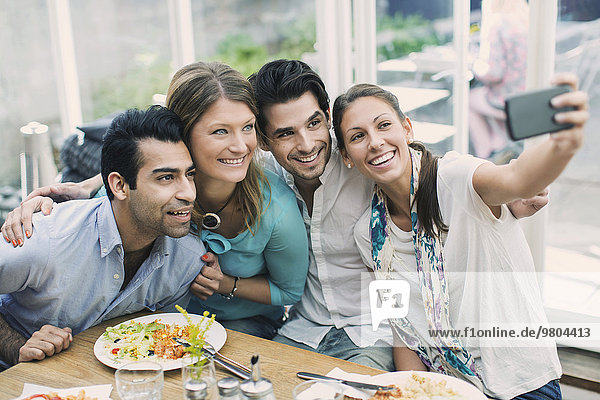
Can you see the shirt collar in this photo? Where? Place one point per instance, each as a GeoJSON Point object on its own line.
{"type": "Point", "coordinates": [332, 164]}
{"type": "Point", "coordinates": [160, 246]}
{"type": "Point", "coordinates": [108, 233]}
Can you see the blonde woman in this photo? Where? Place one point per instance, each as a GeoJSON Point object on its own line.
{"type": "Point", "coordinates": [267, 264]}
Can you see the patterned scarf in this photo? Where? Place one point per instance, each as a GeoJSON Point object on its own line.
{"type": "Point", "coordinates": [448, 356]}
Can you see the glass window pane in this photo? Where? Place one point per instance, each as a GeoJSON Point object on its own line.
{"type": "Point", "coordinates": [27, 88]}
{"type": "Point", "coordinates": [123, 53]}
{"type": "Point", "coordinates": [573, 234]}
{"type": "Point", "coordinates": [499, 68]}
{"type": "Point", "coordinates": [253, 32]}
{"type": "Point", "coordinates": [416, 61]}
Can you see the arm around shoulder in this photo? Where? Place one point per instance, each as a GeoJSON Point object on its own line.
{"type": "Point", "coordinates": [18, 224]}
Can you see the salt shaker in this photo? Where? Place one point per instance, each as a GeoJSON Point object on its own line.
{"type": "Point", "coordinates": [195, 390]}
{"type": "Point", "coordinates": [257, 387]}
{"type": "Point", "coordinates": [229, 389]}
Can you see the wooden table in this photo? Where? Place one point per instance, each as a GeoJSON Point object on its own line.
{"type": "Point", "coordinates": [77, 366]}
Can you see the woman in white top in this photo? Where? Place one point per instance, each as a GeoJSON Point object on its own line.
{"type": "Point", "coordinates": [462, 252]}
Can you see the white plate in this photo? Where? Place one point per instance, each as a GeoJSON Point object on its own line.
{"type": "Point", "coordinates": [462, 388]}
{"type": "Point", "coordinates": [216, 336]}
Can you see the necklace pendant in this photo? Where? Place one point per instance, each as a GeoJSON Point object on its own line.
{"type": "Point", "coordinates": [211, 221]}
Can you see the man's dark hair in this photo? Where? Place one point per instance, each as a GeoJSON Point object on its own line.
{"type": "Point", "coordinates": [120, 145]}
{"type": "Point", "coordinates": [280, 81]}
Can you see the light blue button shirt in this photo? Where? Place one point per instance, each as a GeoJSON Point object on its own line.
{"type": "Point", "coordinates": [70, 272]}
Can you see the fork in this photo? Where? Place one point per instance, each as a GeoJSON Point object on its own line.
{"type": "Point", "coordinates": [211, 350]}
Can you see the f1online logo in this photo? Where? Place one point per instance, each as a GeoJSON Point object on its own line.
{"type": "Point", "coordinates": [388, 300]}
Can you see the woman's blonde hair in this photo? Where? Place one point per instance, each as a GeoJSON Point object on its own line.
{"type": "Point", "coordinates": [193, 90]}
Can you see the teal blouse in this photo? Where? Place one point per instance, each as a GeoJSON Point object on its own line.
{"type": "Point", "coordinates": [278, 249]}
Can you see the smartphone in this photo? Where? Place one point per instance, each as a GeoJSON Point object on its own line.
{"type": "Point", "coordinates": [530, 113]}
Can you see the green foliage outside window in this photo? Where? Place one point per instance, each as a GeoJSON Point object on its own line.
{"type": "Point", "coordinates": [403, 35]}
{"type": "Point", "coordinates": [134, 89]}
{"type": "Point", "coordinates": [244, 54]}
{"type": "Point", "coordinates": [400, 35]}
{"type": "Point", "coordinates": [150, 75]}
{"type": "Point", "coordinates": [298, 38]}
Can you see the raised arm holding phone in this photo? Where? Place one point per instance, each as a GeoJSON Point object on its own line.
{"type": "Point", "coordinates": [441, 224]}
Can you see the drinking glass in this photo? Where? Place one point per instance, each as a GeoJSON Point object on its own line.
{"type": "Point", "coordinates": [319, 390]}
{"type": "Point", "coordinates": [192, 375]}
{"type": "Point", "coordinates": [140, 380]}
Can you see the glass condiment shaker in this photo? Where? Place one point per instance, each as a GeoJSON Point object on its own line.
{"type": "Point", "coordinates": [195, 390]}
{"type": "Point", "coordinates": [257, 387]}
{"type": "Point", "coordinates": [229, 389]}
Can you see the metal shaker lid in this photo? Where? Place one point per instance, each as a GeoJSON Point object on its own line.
{"type": "Point", "coordinates": [228, 386]}
{"type": "Point", "coordinates": [195, 390]}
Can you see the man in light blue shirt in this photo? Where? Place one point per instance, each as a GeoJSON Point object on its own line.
{"type": "Point", "coordinates": [92, 260]}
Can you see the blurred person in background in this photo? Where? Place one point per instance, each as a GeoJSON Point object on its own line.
{"type": "Point", "coordinates": [502, 71]}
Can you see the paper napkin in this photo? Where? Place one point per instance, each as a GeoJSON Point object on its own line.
{"type": "Point", "coordinates": [102, 392]}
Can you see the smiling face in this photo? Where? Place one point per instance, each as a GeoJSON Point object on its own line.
{"type": "Point", "coordinates": [164, 196]}
{"type": "Point", "coordinates": [298, 136]}
{"type": "Point", "coordinates": [223, 141]}
{"type": "Point", "coordinates": [376, 140]}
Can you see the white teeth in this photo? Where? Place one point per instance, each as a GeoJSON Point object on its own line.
{"type": "Point", "coordinates": [236, 161]}
{"type": "Point", "coordinates": [309, 158]}
{"type": "Point", "coordinates": [180, 213]}
{"type": "Point", "coordinates": [383, 158]}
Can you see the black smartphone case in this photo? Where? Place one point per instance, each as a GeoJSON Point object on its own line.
{"type": "Point", "coordinates": [530, 113]}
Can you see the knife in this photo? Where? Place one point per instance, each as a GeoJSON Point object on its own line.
{"type": "Point", "coordinates": [359, 385]}
{"type": "Point", "coordinates": [234, 369]}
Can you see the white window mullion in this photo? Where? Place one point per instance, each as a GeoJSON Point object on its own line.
{"type": "Point", "coordinates": [460, 95]}
{"type": "Point", "coordinates": [541, 44]}
{"type": "Point", "coordinates": [182, 32]}
{"type": "Point", "coordinates": [540, 68]}
{"type": "Point", "coordinates": [344, 48]}
{"type": "Point", "coordinates": [65, 65]}
{"type": "Point", "coordinates": [365, 44]}
{"type": "Point", "coordinates": [334, 44]}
